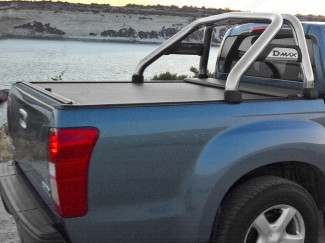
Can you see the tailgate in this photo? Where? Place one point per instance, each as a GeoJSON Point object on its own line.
{"type": "Point", "coordinates": [30, 114]}
{"type": "Point", "coordinates": [34, 222]}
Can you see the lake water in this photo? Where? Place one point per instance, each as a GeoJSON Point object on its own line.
{"type": "Point", "coordinates": [42, 60]}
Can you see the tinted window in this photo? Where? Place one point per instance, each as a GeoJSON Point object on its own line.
{"type": "Point", "coordinates": [236, 46]}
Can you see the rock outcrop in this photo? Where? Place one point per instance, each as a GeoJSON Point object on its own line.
{"type": "Point", "coordinates": [5, 150]}
{"type": "Point", "coordinates": [99, 22]}
{"type": "Point", "coordinates": [40, 28]}
{"type": "Point", "coordinates": [46, 19]}
{"type": "Point", "coordinates": [4, 94]}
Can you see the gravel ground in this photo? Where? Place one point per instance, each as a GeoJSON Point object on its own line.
{"type": "Point", "coordinates": [8, 229]}
{"type": "Point", "coordinates": [5, 150]}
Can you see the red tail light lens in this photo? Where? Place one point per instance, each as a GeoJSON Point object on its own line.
{"type": "Point", "coordinates": [256, 29]}
{"type": "Point", "coordinates": [69, 151]}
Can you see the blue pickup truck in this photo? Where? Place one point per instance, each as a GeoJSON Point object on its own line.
{"type": "Point", "coordinates": [237, 158]}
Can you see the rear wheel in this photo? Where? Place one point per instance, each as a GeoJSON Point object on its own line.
{"type": "Point", "coordinates": [267, 210]}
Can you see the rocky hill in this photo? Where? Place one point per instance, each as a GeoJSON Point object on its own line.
{"type": "Point", "coordinates": [45, 19]}
{"type": "Point", "coordinates": [98, 22]}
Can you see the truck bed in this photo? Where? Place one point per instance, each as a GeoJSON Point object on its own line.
{"type": "Point", "coordinates": [128, 93]}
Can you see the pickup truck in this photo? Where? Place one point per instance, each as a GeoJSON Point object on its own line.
{"type": "Point", "coordinates": [239, 157]}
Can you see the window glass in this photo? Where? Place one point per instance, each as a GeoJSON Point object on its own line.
{"type": "Point", "coordinates": [236, 46]}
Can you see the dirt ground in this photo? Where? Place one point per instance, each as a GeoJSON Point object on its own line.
{"type": "Point", "coordinates": [5, 150]}
{"type": "Point", "coordinates": [8, 229]}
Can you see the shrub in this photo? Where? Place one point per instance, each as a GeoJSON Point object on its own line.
{"type": "Point", "coordinates": [168, 76]}
{"type": "Point", "coordinates": [175, 76]}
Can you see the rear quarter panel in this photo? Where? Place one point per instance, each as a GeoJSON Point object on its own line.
{"type": "Point", "coordinates": [160, 172]}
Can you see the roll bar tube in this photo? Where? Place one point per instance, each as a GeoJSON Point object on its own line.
{"type": "Point", "coordinates": [232, 95]}
{"type": "Point", "coordinates": [203, 71]}
{"type": "Point", "coordinates": [215, 20]}
{"type": "Point", "coordinates": [308, 86]}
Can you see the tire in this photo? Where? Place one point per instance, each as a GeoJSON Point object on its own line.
{"type": "Point", "coordinates": [267, 209]}
{"type": "Point", "coordinates": [5, 206]}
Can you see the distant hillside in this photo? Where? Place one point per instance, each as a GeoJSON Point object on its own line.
{"type": "Point", "coordinates": [45, 19]}
{"type": "Point", "coordinates": [106, 8]}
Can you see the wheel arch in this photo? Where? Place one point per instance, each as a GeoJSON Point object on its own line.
{"type": "Point", "coordinates": [254, 199]}
{"type": "Point", "coordinates": [308, 172]}
{"type": "Point", "coordinates": [288, 148]}
{"type": "Point", "coordinates": [305, 174]}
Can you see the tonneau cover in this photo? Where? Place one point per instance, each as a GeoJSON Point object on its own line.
{"type": "Point", "coordinates": [128, 93]}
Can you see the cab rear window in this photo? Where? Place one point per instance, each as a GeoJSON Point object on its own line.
{"type": "Point", "coordinates": [235, 47]}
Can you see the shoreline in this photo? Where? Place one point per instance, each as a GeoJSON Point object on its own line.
{"type": "Point", "coordinates": [83, 39]}
{"type": "Point", "coordinates": [9, 37]}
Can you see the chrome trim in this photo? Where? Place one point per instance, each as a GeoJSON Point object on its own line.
{"type": "Point", "coordinates": [23, 118]}
{"type": "Point", "coordinates": [253, 52]}
{"type": "Point", "coordinates": [299, 35]}
{"type": "Point", "coordinates": [217, 20]}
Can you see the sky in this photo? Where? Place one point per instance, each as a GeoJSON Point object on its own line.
{"type": "Point", "coordinates": [316, 7]}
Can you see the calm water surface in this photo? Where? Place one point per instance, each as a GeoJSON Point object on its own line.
{"type": "Point", "coordinates": [42, 60]}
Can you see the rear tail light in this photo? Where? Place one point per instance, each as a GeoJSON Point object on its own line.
{"type": "Point", "coordinates": [69, 151]}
